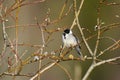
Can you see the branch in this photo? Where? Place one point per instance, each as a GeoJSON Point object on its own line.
{"type": "Point", "coordinates": [80, 28]}
{"type": "Point", "coordinates": [77, 14]}
{"type": "Point", "coordinates": [98, 64]}
{"type": "Point", "coordinates": [110, 47]}
{"type": "Point", "coordinates": [4, 33]}
{"type": "Point", "coordinates": [43, 70]}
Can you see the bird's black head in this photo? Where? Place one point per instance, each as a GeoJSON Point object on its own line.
{"type": "Point", "coordinates": [67, 31]}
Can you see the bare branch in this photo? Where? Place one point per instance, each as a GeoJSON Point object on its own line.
{"type": "Point", "coordinates": [43, 70]}
{"type": "Point", "coordinates": [80, 28]}
{"type": "Point", "coordinates": [94, 65]}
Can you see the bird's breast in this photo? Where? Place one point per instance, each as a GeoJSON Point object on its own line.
{"type": "Point", "coordinates": [70, 41]}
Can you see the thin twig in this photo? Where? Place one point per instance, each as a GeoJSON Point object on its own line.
{"type": "Point", "coordinates": [63, 8]}
{"type": "Point", "coordinates": [16, 31]}
{"type": "Point", "coordinates": [65, 70]}
{"type": "Point", "coordinates": [102, 52]}
{"type": "Point", "coordinates": [43, 70]}
{"type": "Point", "coordinates": [80, 28]}
{"type": "Point", "coordinates": [77, 14]}
{"type": "Point", "coordinates": [43, 45]}
{"type": "Point", "coordinates": [98, 38]}
{"type": "Point", "coordinates": [11, 74]}
{"type": "Point", "coordinates": [4, 33]}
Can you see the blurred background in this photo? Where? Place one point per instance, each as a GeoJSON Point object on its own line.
{"type": "Point", "coordinates": [30, 33]}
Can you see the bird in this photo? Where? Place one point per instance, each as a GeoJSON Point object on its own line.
{"type": "Point", "coordinates": [70, 40]}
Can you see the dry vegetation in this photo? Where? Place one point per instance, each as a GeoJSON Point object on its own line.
{"type": "Point", "coordinates": [16, 62]}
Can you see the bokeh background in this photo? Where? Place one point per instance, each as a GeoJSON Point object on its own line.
{"type": "Point", "coordinates": [32, 35]}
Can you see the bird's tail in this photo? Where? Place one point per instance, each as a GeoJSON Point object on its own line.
{"type": "Point", "coordinates": [79, 52]}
